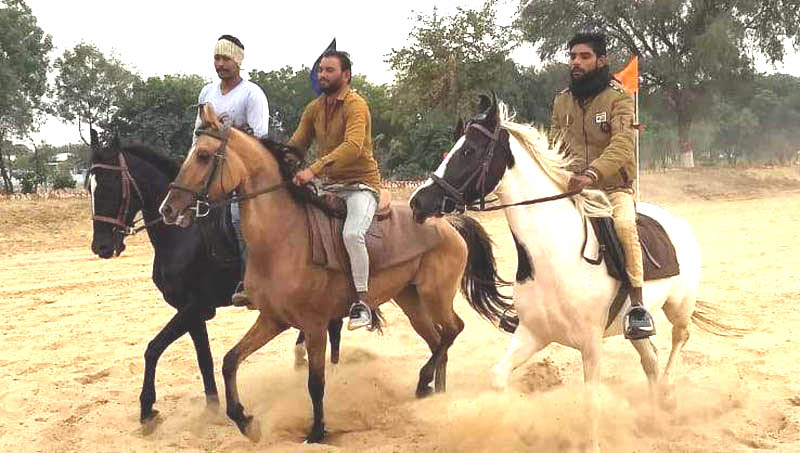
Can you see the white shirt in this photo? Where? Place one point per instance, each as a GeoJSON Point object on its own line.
{"type": "Point", "coordinates": [245, 107]}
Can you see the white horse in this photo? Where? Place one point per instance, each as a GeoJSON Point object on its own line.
{"type": "Point", "coordinates": [558, 296]}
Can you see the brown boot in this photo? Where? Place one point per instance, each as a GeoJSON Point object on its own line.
{"type": "Point", "coordinates": [638, 324]}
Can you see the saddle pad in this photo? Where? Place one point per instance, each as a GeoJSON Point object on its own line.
{"type": "Point", "coordinates": [391, 239]}
{"type": "Point", "coordinates": [658, 253]}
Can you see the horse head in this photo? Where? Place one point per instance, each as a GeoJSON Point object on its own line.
{"type": "Point", "coordinates": [114, 204]}
{"type": "Point", "coordinates": [208, 174]}
{"type": "Point", "coordinates": [473, 167]}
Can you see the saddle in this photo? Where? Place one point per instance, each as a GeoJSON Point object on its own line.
{"type": "Point", "coordinates": [218, 237]}
{"type": "Point", "coordinates": [393, 236]}
{"type": "Point", "coordinates": [658, 255]}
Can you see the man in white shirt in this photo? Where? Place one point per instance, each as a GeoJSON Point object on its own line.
{"type": "Point", "coordinates": [239, 103]}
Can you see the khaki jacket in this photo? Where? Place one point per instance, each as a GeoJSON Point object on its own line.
{"type": "Point", "coordinates": [343, 137]}
{"type": "Point", "coordinates": [599, 135]}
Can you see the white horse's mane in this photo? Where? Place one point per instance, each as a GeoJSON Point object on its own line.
{"type": "Point", "coordinates": [590, 203]}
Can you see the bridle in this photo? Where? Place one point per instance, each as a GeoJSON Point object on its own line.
{"type": "Point", "coordinates": [126, 181]}
{"type": "Point", "coordinates": [202, 204]}
{"type": "Point", "coordinates": [454, 201]}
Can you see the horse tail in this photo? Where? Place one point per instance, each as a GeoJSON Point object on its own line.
{"type": "Point", "coordinates": [480, 281]}
{"type": "Point", "coordinates": [703, 316]}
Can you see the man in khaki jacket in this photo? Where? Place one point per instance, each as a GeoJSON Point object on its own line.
{"type": "Point", "coordinates": [593, 118]}
{"type": "Point", "coordinates": [339, 123]}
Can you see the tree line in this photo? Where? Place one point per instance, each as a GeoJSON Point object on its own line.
{"type": "Point", "coordinates": [701, 98]}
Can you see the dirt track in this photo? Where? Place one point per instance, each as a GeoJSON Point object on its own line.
{"type": "Point", "coordinates": [75, 328]}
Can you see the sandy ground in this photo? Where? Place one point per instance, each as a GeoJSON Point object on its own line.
{"type": "Point", "coordinates": [74, 330]}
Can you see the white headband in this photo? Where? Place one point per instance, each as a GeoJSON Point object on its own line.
{"type": "Point", "coordinates": [229, 49]}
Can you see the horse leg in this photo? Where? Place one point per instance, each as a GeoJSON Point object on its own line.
{"type": "Point", "coordinates": [590, 353]}
{"type": "Point", "coordinates": [316, 345]}
{"type": "Point", "coordinates": [524, 344]}
{"type": "Point", "coordinates": [679, 315]}
{"type": "Point", "coordinates": [335, 334]}
{"type": "Point", "coordinates": [262, 331]}
{"type": "Point", "coordinates": [441, 306]}
{"type": "Point", "coordinates": [649, 359]}
{"type": "Point", "coordinates": [205, 361]}
{"type": "Point", "coordinates": [180, 323]}
{"type": "Point", "coordinates": [300, 351]}
{"type": "Point", "coordinates": [409, 301]}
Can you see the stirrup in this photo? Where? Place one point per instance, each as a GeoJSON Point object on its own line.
{"type": "Point", "coordinates": [360, 316]}
{"type": "Point", "coordinates": [638, 324]}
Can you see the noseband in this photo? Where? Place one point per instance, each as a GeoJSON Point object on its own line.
{"type": "Point", "coordinates": [455, 196]}
{"type": "Point", "coordinates": [126, 180]}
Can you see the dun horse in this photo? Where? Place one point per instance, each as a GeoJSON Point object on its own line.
{"type": "Point", "coordinates": [559, 296]}
{"type": "Point", "coordinates": [290, 291]}
{"type": "Point", "coordinates": [124, 181]}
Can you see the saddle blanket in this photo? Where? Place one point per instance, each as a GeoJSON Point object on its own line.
{"type": "Point", "coordinates": [392, 238]}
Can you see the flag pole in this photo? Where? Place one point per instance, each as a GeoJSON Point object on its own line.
{"type": "Point", "coordinates": [636, 141]}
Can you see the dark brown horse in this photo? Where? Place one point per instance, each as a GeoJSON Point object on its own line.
{"type": "Point", "coordinates": [290, 291]}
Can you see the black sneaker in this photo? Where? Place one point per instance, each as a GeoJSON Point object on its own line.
{"type": "Point", "coordinates": [360, 316]}
{"type": "Point", "coordinates": [638, 324]}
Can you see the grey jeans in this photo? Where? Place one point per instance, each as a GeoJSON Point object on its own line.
{"type": "Point", "coordinates": [361, 205]}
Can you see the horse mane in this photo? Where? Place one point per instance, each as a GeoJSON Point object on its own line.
{"type": "Point", "coordinates": [162, 162]}
{"type": "Point", "coordinates": [290, 160]}
{"type": "Point", "coordinates": [590, 203]}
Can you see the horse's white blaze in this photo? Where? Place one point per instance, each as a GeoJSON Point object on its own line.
{"type": "Point", "coordinates": [441, 169]}
{"type": "Point", "coordinates": [92, 189]}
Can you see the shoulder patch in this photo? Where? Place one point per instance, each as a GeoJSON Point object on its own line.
{"type": "Point", "coordinates": [616, 86]}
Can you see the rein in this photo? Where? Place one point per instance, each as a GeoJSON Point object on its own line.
{"type": "Point", "coordinates": [203, 205]}
{"type": "Point", "coordinates": [126, 180]}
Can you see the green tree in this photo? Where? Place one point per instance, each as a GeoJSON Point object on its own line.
{"type": "Point", "coordinates": [23, 74]}
{"type": "Point", "coordinates": [688, 46]}
{"type": "Point", "coordinates": [90, 88]}
{"type": "Point", "coordinates": [288, 91]}
{"type": "Point", "coordinates": [449, 60]}
{"type": "Point", "coordinates": [160, 113]}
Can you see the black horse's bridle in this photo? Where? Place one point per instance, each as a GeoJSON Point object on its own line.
{"type": "Point", "coordinates": [200, 198]}
{"type": "Point", "coordinates": [454, 200]}
{"type": "Point", "coordinates": [126, 180]}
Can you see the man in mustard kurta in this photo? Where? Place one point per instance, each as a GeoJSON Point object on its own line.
{"type": "Point", "coordinates": [339, 123]}
{"type": "Point", "coordinates": [594, 119]}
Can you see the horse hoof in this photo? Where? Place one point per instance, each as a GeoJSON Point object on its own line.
{"type": "Point", "coordinates": [212, 403]}
{"type": "Point", "coordinates": [151, 422]}
{"type": "Point", "coordinates": [424, 392]}
{"type": "Point", "coordinates": [252, 430]}
{"type": "Point", "coordinates": [316, 436]}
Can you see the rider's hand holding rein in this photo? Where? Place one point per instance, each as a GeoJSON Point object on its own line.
{"type": "Point", "coordinates": [579, 182]}
{"type": "Point", "coordinates": [303, 176]}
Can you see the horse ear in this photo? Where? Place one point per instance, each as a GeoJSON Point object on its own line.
{"type": "Point", "coordinates": [459, 131]}
{"type": "Point", "coordinates": [209, 116]}
{"type": "Point", "coordinates": [94, 142]}
{"type": "Point", "coordinates": [484, 104]}
{"type": "Point", "coordinates": [495, 108]}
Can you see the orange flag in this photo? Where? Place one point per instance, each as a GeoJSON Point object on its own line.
{"type": "Point", "coordinates": [629, 76]}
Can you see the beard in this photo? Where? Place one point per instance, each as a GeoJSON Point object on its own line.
{"type": "Point", "coordinates": [332, 86]}
{"type": "Point", "coordinates": [590, 83]}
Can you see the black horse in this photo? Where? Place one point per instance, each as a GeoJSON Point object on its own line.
{"type": "Point", "coordinates": [196, 269]}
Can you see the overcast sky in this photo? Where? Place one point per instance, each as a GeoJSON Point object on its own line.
{"type": "Point", "coordinates": [155, 38]}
